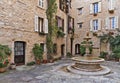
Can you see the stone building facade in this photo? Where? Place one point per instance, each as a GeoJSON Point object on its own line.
{"type": "Point", "coordinates": [24, 23]}
{"type": "Point", "coordinates": [18, 29]}
{"type": "Point", "coordinates": [96, 17]}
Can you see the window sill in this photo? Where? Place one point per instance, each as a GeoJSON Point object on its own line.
{"type": "Point", "coordinates": [79, 14]}
{"type": "Point", "coordinates": [42, 33]}
{"type": "Point", "coordinates": [41, 7]}
{"type": "Point", "coordinates": [95, 14]}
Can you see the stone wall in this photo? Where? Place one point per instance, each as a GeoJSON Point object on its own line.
{"type": "Point", "coordinates": [17, 19]}
{"type": "Point", "coordinates": [17, 23]}
{"type": "Point", "coordinates": [86, 17]}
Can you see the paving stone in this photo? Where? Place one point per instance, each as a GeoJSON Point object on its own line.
{"type": "Point", "coordinates": [51, 73]}
{"type": "Point", "coordinates": [27, 79]}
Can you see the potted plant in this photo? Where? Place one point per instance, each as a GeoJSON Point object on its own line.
{"type": "Point", "coordinates": [38, 53]}
{"type": "Point", "coordinates": [3, 65]}
{"type": "Point", "coordinates": [4, 54]}
{"type": "Point", "coordinates": [50, 58]}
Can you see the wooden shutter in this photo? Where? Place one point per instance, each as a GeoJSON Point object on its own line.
{"type": "Point", "coordinates": [63, 25]}
{"type": "Point", "coordinates": [99, 24]}
{"type": "Point", "coordinates": [91, 25]}
{"type": "Point", "coordinates": [46, 25]}
{"type": "Point", "coordinates": [107, 23]}
{"type": "Point", "coordinates": [73, 23]}
{"type": "Point", "coordinates": [91, 8]}
{"type": "Point", "coordinates": [111, 4]}
{"type": "Point", "coordinates": [116, 21]}
{"type": "Point", "coordinates": [99, 7]}
{"type": "Point", "coordinates": [36, 23]}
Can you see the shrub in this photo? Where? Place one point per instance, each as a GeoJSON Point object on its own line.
{"type": "Point", "coordinates": [38, 52]}
{"type": "Point", "coordinates": [69, 55]}
{"type": "Point", "coordinates": [31, 63]}
{"type": "Point", "coordinates": [116, 53]}
{"type": "Point", "coordinates": [82, 50]}
{"type": "Point", "coordinates": [103, 54]}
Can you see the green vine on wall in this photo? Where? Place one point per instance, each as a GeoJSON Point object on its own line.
{"type": "Point", "coordinates": [52, 29]}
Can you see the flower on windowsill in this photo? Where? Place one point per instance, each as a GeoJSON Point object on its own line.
{"type": "Point", "coordinates": [111, 33]}
{"type": "Point", "coordinates": [95, 34]}
{"type": "Point", "coordinates": [60, 33]}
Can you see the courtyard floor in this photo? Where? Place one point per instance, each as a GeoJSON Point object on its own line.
{"type": "Point", "coordinates": [51, 73]}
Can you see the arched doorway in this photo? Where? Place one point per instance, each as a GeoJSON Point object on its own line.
{"type": "Point", "coordinates": [77, 48]}
{"type": "Point", "coordinates": [19, 52]}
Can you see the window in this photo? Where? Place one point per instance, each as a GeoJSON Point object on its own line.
{"type": "Point", "coordinates": [61, 5]}
{"type": "Point", "coordinates": [80, 11]}
{"type": "Point", "coordinates": [80, 25]}
{"type": "Point", "coordinates": [112, 22]}
{"type": "Point", "coordinates": [111, 4]}
{"type": "Point", "coordinates": [95, 25]}
{"type": "Point", "coordinates": [60, 23]}
{"type": "Point", "coordinates": [42, 46]}
{"type": "Point", "coordinates": [41, 3]}
{"type": "Point", "coordinates": [70, 24]}
{"type": "Point", "coordinates": [95, 8]}
{"type": "Point", "coordinates": [41, 25]}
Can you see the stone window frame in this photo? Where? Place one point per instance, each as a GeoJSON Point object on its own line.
{"type": "Point", "coordinates": [80, 11]}
{"type": "Point", "coordinates": [80, 25]}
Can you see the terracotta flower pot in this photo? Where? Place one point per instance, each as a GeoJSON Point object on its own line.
{"type": "Point", "coordinates": [51, 61]}
{"type": "Point", "coordinates": [38, 62]}
{"type": "Point", "coordinates": [2, 69]}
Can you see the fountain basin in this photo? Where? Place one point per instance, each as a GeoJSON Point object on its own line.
{"type": "Point", "coordinates": [88, 66]}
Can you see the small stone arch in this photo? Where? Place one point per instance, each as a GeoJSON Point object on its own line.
{"type": "Point", "coordinates": [77, 48]}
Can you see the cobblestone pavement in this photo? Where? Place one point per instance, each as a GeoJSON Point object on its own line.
{"type": "Point", "coordinates": [50, 73]}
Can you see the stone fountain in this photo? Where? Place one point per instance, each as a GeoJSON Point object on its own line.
{"type": "Point", "coordinates": [88, 65]}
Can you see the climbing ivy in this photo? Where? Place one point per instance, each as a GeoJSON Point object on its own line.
{"type": "Point", "coordinates": [52, 29]}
